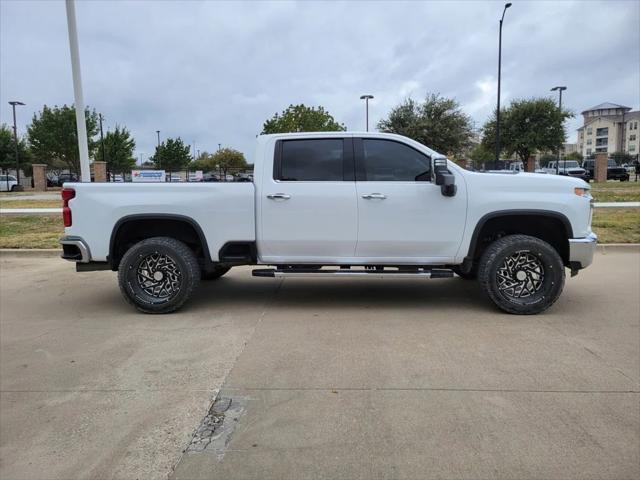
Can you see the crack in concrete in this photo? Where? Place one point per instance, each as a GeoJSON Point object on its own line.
{"type": "Point", "coordinates": [217, 427]}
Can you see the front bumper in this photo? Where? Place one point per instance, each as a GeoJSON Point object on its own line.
{"type": "Point", "coordinates": [581, 251]}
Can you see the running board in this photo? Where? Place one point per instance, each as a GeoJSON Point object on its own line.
{"type": "Point", "coordinates": [302, 273]}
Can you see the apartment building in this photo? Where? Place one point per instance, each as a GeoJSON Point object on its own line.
{"type": "Point", "coordinates": [609, 128]}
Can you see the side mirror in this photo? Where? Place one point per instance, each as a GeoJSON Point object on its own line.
{"type": "Point", "coordinates": [444, 178]}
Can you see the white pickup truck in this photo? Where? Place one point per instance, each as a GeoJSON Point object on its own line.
{"type": "Point", "coordinates": [570, 168]}
{"type": "Point", "coordinates": [336, 205]}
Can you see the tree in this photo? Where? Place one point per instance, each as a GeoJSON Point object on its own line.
{"type": "Point", "coordinates": [226, 159]}
{"type": "Point", "coordinates": [621, 158]}
{"type": "Point", "coordinates": [574, 156]}
{"type": "Point", "coordinates": [480, 155]}
{"type": "Point", "coordinates": [171, 155]}
{"type": "Point", "coordinates": [53, 136]}
{"type": "Point", "coordinates": [527, 126]}
{"type": "Point", "coordinates": [118, 150]}
{"type": "Point", "coordinates": [300, 118]}
{"type": "Point", "coordinates": [8, 151]}
{"type": "Point", "coordinates": [437, 122]}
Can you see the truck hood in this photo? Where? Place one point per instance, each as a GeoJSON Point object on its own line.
{"type": "Point", "coordinates": [526, 182]}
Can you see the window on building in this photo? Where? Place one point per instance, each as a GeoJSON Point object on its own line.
{"type": "Point", "coordinates": [589, 131]}
{"type": "Point", "coordinates": [602, 132]}
{"type": "Point", "coordinates": [632, 148]}
{"type": "Point", "coordinates": [632, 137]}
{"type": "Point", "coordinates": [589, 141]}
{"type": "Point", "coordinates": [588, 151]}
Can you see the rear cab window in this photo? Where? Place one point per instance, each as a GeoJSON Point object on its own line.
{"type": "Point", "coordinates": [313, 160]}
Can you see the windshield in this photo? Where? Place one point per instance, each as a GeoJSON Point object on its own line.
{"type": "Point", "coordinates": [569, 164]}
{"type": "Point", "coordinates": [612, 163]}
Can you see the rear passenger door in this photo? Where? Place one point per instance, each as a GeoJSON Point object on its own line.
{"type": "Point", "coordinates": [308, 205]}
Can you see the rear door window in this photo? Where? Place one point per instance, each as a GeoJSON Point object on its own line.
{"type": "Point", "coordinates": [310, 160]}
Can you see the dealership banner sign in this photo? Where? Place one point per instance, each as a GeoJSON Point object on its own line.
{"type": "Point", "coordinates": [148, 176]}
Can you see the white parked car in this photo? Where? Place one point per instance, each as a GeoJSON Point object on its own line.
{"type": "Point", "coordinates": [8, 183]}
{"type": "Point", "coordinates": [569, 168]}
{"type": "Point", "coordinates": [336, 205]}
{"type": "Point", "coordinates": [519, 167]}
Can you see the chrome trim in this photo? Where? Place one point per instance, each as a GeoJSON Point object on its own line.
{"type": "Point", "coordinates": [359, 274]}
{"type": "Point", "coordinates": [85, 255]}
{"type": "Point", "coordinates": [581, 250]}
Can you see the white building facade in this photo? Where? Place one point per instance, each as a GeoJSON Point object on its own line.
{"type": "Point", "coordinates": [609, 128]}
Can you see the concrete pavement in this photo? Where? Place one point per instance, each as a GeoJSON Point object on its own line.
{"type": "Point", "coordinates": [326, 379]}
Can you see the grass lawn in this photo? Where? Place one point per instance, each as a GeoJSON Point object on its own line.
{"type": "Point", "coordinates": [613, 225]}
{"type": "Point", "coordinates": [30, 203]}
{"type": "Point", "coordinates": [617, 225]}
{"type": "Point", "coordinates": [30, 231]}
{"type": "Point", "coordinates": [616, 191]}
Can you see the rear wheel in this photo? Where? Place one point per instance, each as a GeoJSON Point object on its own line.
{"type": "Point", "coordinates": [158, 275]}
{"type": "Point", "coordinates": [521, 274]}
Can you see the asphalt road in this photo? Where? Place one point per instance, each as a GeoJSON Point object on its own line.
{"type": "Point", "coordinates": [317, 379]}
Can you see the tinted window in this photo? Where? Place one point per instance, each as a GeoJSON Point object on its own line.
{"type": "Point", "coordinates": [311, 160]}
{"type": "Point", "coordinates": [389, 161]}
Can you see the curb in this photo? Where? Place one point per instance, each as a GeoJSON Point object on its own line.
{"type": "Point", "coordinates": [55, 252]}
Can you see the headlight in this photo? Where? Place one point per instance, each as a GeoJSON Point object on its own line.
{"type": "Point", "coordinates": [582, 191]}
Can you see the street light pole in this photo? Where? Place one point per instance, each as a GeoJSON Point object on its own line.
{"type": "Point", "coordinates": [81, 124]}
{"type": "Point", "coordinates": [15, 139]}
{"type": "Point", "coordinates": [560, 90]}
{"type": "Point", "coordinates": [158, 132]}
{"type": "Point", "coordinates": [499, 79]}
{"type": "Point", "coordinates": [366, 99]}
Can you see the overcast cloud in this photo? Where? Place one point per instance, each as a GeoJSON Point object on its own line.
{"type": "Point", "coordinates": [212, 72]}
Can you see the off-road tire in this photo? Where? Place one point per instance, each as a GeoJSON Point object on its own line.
{"type": "Point", "coordinates": [542, 290]}
{"type": "Point", "coordinates": [214, 273]}
{"type": "Point", "coordinates": [177, 262]}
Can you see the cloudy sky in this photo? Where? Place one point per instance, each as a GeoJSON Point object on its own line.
{"type": "Point", "coordinates": [212, 72]}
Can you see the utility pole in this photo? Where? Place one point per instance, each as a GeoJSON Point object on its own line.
{"type": "Point", "coordinates": [499, 80]}
{"type": "Point", "coordinates": [366, 99]}
{"type": "Point", "coordinates": [560, 90]}
{"type": "Point", "coordinates": [15, 140]}
{"type": "Point", "coordinates": [219, 146]}
{"type": "Point", "coordinates": [158, 132]}
{"type": "Point", "coordinates": [81, 124]}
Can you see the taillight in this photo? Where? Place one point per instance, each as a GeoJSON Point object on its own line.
{"type": "Point", "coordinates": [67, 194]}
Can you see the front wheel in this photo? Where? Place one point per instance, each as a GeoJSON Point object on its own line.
{"type": "Point", "coordinates": [158, 275]}
{"type": "Point", "coordinates": [521, 274]}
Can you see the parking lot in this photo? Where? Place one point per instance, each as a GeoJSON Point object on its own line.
{"type": "Point", "coordinates": [336, 379]}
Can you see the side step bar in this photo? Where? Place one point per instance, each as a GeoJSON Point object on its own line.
{"type": "Point", "coordinates": [302, 273]}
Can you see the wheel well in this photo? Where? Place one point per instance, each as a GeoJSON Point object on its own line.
{"type": "Point", "coordinates": [130, 231]}
{"type": "Point", "coordinates": [555, 230]}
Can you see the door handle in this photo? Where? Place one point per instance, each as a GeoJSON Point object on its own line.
{"type": "Point", "coordinates": [278, 196]}
{"type": "Point", "coordinates": [376, 196]}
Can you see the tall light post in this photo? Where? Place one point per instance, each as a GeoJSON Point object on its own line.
{"type": "Point", "coordinates": [499, 79]}
{"type": "Point", "coordinates": [366, 99]}
{"type": "Point", "coordinates": [81, 125]}
{"type": "Point", "coordinates": [15, 140]}
{"type": "Point", "coordinates": [560, 90]}
{"type": "Point", "coordinates": [158, 132]}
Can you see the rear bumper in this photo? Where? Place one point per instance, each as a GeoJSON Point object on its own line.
{"type": "Point", "coordinates": [581, 251]}
{"type": "Point", "coordinates": [75, 249]}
